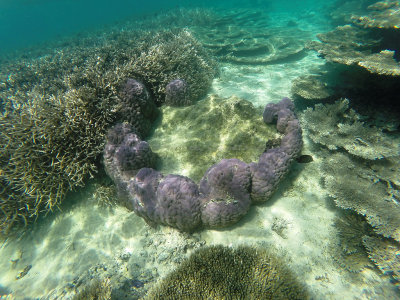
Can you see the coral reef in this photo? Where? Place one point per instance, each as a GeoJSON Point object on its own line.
{"type": "Point", "coordinates": [57, 108]}
{"type": "Point", "coordinates": [171, 200]}
{"type": "Point", "coordinates": [49, 146]}
{"type": "Point", "coordinates": [225, 191]}
{"type": "Point", "coordinates": [363, 182]}
{"type": "Point", "coordinates": [382, 14]}
{"type": "Point", "coordinates": [341, 11]}
{"type": "Point", "coordinates": [337, 126]}
{"type": "Point", "coordinates": [350, 45]}
{"type": "Point", "coordinates": [219, 272]}
{"type": "Point", "coordinates": [363, 191]}
{"type": "Point", "coordinates": [124, 154]}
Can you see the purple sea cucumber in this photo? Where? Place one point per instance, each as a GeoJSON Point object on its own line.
{"type": "Point", "coordinates": [176, 93]}
{"type": "Point", "coordinates": [226, 193]}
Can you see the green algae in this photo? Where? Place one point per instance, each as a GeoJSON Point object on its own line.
{"type": "Point", "coordinates": [190, 139]}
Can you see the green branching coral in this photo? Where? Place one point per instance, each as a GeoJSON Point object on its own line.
{"type": "Point", "coordinates": [194, 138]}
{"type": "Point", "coordinates": [57, 108]}
{"type": "Point", "coordinates": [219, 272]}
{"type": "Point", "coordinates": [337, 126]}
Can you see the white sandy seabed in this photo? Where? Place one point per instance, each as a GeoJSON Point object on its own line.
{"type": "Point", "coordinates": [297, 222]}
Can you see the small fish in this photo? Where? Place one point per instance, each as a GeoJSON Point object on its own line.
{"type": "Point", "coordinates": [304, 159]}
{"type": "Point", "coordinates": [24, 272]}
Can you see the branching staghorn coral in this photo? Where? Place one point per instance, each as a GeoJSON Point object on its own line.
{"type": "Point", "coordinates": [55, 118]}
{"type": "Point", "coordinates": [49, 146]}
{"type": "Point", "coordinates": [161, 62]}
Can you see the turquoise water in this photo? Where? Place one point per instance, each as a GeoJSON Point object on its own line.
{"type": "Point", "coordinates": [24, 23]}
{"type": "Point", "coordinates": [81, 215]}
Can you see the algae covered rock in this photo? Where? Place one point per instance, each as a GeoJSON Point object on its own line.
{"type": "Point", "coordinates": [219, 272]}
{"type": "Point", "coordinates": [191, 139]}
